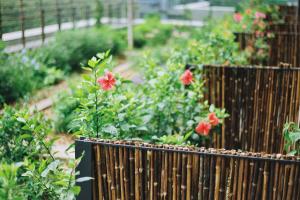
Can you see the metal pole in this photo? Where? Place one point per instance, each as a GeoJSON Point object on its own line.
{"type": "Point", "coordinates": [1, 29]}
{"type": "Point", "coordinates": [87, 15]}
{"type": "Point", "coordinates": [22, 18]}
{"type": "Point", "coordinates": [130, 24]}
{"type": "Point", "coordinates": [42, 20]}
{"type": "Point", "coordinates": [58, 15]}
{"type": "Point", "coordinates": [298, 12]}
{"type": "Point", "coordinates": [73, 13]}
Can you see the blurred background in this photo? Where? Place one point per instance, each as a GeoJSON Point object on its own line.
{"type": "Point", "coordinates": [29, 23]}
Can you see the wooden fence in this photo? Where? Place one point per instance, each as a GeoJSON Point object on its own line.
{"type": "Point", "coordinates": [260, 100]}
{"type": "Point", "coordinates": [284, 47]}
{"type": "Point", "coordinates": [128, 170]}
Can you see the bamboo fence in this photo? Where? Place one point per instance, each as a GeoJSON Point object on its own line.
{"type": "Point", "coordinates": [133, 170]}
{"type": "Point", "coordinates": [260, 100]}
{"type": "Point", "coordinates": [284, 46]}
{"type": "Point", "coordinates": [290, 14]}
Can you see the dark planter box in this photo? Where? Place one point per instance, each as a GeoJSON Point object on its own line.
{"type": "Point", "coordinates": [129, 170]}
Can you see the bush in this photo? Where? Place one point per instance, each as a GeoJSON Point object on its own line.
{"type": "Point", "coordinates": [65, 110]}
{"type": "Point", "coordinates": [20, 74]}
{"type": "Point", "coordinates": [71, 48]}
{"type": "Point", "coordinates": [151, 33]}
{"type": "Point", "coordinates": [22, 135]}
{"type": "Point", "coordinates": [28, 169]}
{"type": "Point", "coordinates": [111, 107]}
{"type": "Point", "coordinates": [16, 78]}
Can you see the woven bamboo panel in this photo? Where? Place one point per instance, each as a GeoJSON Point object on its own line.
{"type": "Point", "coordinates": [143, 171]}
{"type": "Point", "coordinates": [260, 100]}
{"type": "Point", "coordinates": [289, 13]}
{"type": "Point", "coordinates": [284, 47]}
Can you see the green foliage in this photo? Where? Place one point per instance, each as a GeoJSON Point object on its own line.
{"type": "Point", "coordinates": [169, 114]}
{"type": "Point", "coordinates": [254, 21]}
{"type": "Point", "coordinates": [16, 78]}
{"type": "Point", "coordinates": [22, 135]}
{"type": "Point", "coordinates": [51, 179]}
{"type": "Point", "coordinates": [21, 74]}
{"type": "Point", "coordinates": [9, 187]}
{"type": "Point", "coordinates": [291, 133]}
{"type": "Point", "coordinates": [71, 48]}
{"type": "Point", "coordinates": [28, 168]}
{"type": "Point", "coordinates": [65, 110]}
{"type": "Point", "coordinates": [105, 113]}
{"type": "Point", "coordinates": [147, 111]}
{"type": "Point", "coordinates": [151, 33]}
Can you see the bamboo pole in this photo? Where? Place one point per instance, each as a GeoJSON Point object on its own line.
{"type": "Point", "coordinates": [130, 24]}
{"type": "Point", "coordinates": [1, 25]}
{"type": "Point", "coordinates": [22, 20]}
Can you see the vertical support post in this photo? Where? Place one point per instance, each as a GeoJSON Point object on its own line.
{"type": "Point", "coordinates": [130, 24]}
{"type": "Point", "coordinates": [87, 15]}
{"type": "Point", "coordinates": [106, 10]}
{"type": "Point", "coordinates": [58, 14]}
{"type": "Point", "coordinates": [163, 8]}
{"type": "Point", "coordinates": [42, 11]}
{"type": "Point", "coordinates": [1, 28]}
{"type": "Point", "coordinates": [119, 11]}
{"type": "Point", "coordinates": [73, 13]}
{"type": "Point", "coordinates": [298, 12]}
{"type": "Point", "coordinates": [22, 20]}
{"type": "Point", "coordinates": [99, 11]}
{"type": "Point", "coordinates": [85, 168]}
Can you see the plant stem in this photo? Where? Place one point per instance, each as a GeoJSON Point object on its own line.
{"type": "Point", "coordinates": [96, 104]}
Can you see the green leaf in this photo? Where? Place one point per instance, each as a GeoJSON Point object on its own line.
{"type": "Point", "coordinates": [20, 119]}
{"type": "Point", "coordinates": [142, 128]}
{"type": "Point", "coordinates": [25, 136]}
{"type": "Point", "coordinates": [110, 129]}
{"type": "Point", "coordinates": [51, 167]}
{"type": "Point", "coordinates": [294, 136]}
{"type": "Point", "coordinates": [87, 69]}
{"type": "Point", "coordinates": [83, 179]}
{"type": "Point", "coordinates": [61, 183]}
{"type": "Point", "coordinates": [86, 77]}
{"type": "Point", "coordinates": [76, 190]}
{"type": "Point", "coordinates": [93, 62]}
{"type": "Point", "coordinates": [292, 153]}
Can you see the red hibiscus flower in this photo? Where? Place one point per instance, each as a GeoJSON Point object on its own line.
{"type": "Point", "coordinates": [203, 128]}
{"type": "Point", "coordinates": [237, 17]}
{"type": "Point", "coordinates": [187, 77]}
{"type": "Point", "coordinates": [259, 15]}
{"type": "Point", "coordinates": [213, 119]}
{"type": "Point", "coordinates": [107, 81]}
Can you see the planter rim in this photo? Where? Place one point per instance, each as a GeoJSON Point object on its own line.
{"type": "Point", "coordinates": [273, 32]}
{"type": "Point", "coordinates": [254, 67]}
{"type": "Point", "coordinates": [194, 150]}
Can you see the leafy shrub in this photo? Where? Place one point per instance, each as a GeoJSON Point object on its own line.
{"type": "Point", "coordinates": [9, 188]}
{"type": "Point", "coordinates": [28, 169]}
{"type": "Point", "coordinates": [210, 45]}
{"type": "Point", "coordinates": [15, 78]}
{"type": "Point", "coordinates": [151, 33]}
{"type": "Point", "coordinates": [20, 74]}
{"type": "Point", "coordinates": [22, 135]}
{"type": "Point", "coordinates": [65, 110]}
{"type": "Point", "coordinates": [111, 107]}
{"type": "Point", "coordinates": [71, 48]}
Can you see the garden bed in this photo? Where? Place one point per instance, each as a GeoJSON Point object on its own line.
{"type": "Point", "coordinates": [135, 170]}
